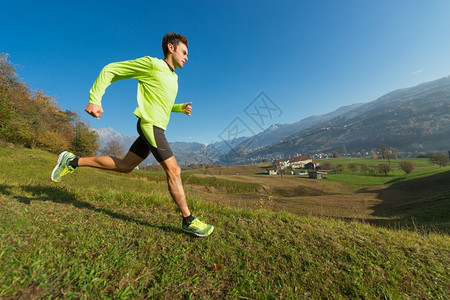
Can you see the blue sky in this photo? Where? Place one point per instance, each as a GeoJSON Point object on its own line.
{"type": "Point", "coordinates": [307, 57]}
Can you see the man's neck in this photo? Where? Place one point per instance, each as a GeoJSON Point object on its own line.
{"type": "Point", "coordinates": [169, 64]}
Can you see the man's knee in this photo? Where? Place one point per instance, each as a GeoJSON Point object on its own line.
{"type": "Point", "coordinates": [128, 163]}
{"type": "Point", "coordinates": [174, 171]}
{"type": "Point", "coordinates": [125, 168]}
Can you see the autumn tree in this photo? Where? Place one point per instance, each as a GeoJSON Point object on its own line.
{"type": "Point", "coordinates": [439, 158]}
{"type": "Point", "coordinates": [86, 140]}
{"type": "Point", "coordinates": [113, 148]}
{"type": "Point", "coordinates": [7, 78]}
{"type": "Point", "coordinates": [387, 152]}
{"type": "Point", "coordinates": [374, 154]}
{"type": "Point", "coordinates": [13, 95]}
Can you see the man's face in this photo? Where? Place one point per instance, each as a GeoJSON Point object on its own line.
{"type": "Point", "coordinates": [179, 56]}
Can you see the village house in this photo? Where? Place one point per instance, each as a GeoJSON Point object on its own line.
{"type": "Point", "coordinates": [272, 171]}
{"type": "Point", "coordinates": [298, 162]}
{"type": "Point", "coordinates": [281, 164]}
{"type": "Point", "coordinates": [312, 165]}
{"type": "Point", "coordinates": [317, 174]}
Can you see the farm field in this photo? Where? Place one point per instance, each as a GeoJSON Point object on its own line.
{"type": "Point", "coordinates": [100, 234]}
{"type": "Point", "coordinates": [398, 199]}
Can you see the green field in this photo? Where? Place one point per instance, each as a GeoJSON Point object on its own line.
{"type": "Point", "coordinates": [106, 235]}
{"type": "Point", "coordinates": [410, 201]}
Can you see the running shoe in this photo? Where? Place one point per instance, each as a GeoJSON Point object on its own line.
{"type": "Point", "coordinates": [62, 166]}
{"type": "Point", "coordinates": [198, 228]}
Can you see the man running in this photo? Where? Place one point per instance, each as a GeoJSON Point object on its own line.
{"type": "Point", "coordinates": [157, 90]}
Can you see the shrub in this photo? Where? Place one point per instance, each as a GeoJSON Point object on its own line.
{"type": "Point", "coordinates": [339, 169]}
{"type": "Point", "coordinates": [373, 171]}
{"type": "Point", "coordinates": [384, 168]}
{"type": "Point", "coordinates": [353, 167]}
{"type": "Point", "coordinates": [364, 168]}
{"type": "Point", "coordinates": [407, 166]}
{"type": "Point", "coordinates": [328, 165]}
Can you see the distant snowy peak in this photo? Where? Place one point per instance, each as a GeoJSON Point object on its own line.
{"type": "Point", "coordinates": [108, 134]}
{"type": "Point", "coordinates": [275, 126]}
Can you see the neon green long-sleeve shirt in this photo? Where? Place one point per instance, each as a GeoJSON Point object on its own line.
{"type": "Point", "coordinates": [157, 87]}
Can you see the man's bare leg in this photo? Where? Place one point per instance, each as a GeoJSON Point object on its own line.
{"type": "Point", "coordinates": [124, 165]}
{"type": "Point", "coordinates": [190, 224]}
{"type": "Point", "coordinates": [130, 161]}
{"type": "Point", "coordinates": [127, 164]}
{"type": "Point", "coordinates": [173, 172]}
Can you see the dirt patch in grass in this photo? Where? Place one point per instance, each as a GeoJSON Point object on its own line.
{"type": "Point", "coordinates": [302, 196]}
{"type": "Point", "coordinates": [299, 191]}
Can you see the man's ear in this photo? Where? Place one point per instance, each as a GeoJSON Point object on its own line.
{"type": "Point", "coordinates": [170, 47]}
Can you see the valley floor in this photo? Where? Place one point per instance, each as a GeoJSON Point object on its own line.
{"type": "Point", "coordinates": [390, 204]}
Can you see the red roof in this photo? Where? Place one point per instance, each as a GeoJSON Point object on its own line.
{"type": "Point", "coordinates": [299, 158]}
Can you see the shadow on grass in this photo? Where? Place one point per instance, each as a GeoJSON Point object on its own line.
{"type": "Point", "coordinates": [5, 190]}
{"type": "Point", "coordinates": [398, 179]}
{"type": "Point", "coordinates": [60, 195]}
{"type": "Point", "coordinates": [421, 203]}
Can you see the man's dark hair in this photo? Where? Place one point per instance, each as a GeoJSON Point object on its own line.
{"type": "Point", "coordinates": [173, 38]}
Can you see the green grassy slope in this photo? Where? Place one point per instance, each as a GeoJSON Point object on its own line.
{"type": "Point", "coordinates": [101, 234]}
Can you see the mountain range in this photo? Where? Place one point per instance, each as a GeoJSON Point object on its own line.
{"type": "Point", "coordinates": [410, 120]}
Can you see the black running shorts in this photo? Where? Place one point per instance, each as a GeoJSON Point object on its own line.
{"type": "Point", "coordinates": [151, 138]}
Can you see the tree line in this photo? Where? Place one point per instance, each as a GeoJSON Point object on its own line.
{"type": "Point", "coordinates": [34, 120]}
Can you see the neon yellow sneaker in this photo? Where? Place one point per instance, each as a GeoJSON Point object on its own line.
{"type": "Point", "coordinates": [62, 166]}
{"type": "Point", "coordinates": [198, 228]}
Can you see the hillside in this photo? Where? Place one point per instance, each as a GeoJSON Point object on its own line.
{"type": "Point", "coordinates": [277, 132]}
{"type": "Point", "coordinates": [33, 119]}
{"type": "Point", "coordinates": [411, 120]}
{"type": "Point", "coordinates": [101, 234]}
